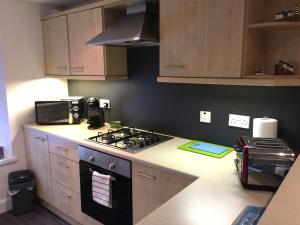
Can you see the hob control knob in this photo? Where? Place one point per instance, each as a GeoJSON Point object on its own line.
{"type": "Point", "coordinates": [76, 115]}
{"type": "Point", "coordinates": [75, 108]}
{"type": "Point", "coordinates": [91, 159]}
{"type": "Point", "coordinates": [112, 166]}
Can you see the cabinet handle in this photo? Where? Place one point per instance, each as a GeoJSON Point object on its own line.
{"type": "Point", "coordinates": [146, 176]}
{"type": "Point", "coordinates": [63, 194]}
{"type": "Point", "coordinates": [62, 148]}
{"type": "Point", "coordinates": [175, 66]}
{"type": "Point", "coordinates": [61, 67]}
{"type": "Point", "coordinates": [78, 69]}
{"type": "Point", "coordinates": [63, 165]}
{"type": "Point", "coordinates": [40, 139]}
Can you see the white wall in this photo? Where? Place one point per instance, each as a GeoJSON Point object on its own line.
{"type": "Point", "coordinates": [23, 71]}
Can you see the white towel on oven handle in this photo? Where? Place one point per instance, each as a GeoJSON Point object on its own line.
{"type": "Point", "coordinates": [101, 189]}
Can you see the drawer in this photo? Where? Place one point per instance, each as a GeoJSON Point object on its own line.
{"type": "Point", "coordinates": [67, 201]}
{"type": "Point", "coordinates": [64, 148]}
{"type": "Point", "coordinates": [65, 172]}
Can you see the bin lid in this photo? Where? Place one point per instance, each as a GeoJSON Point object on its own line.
{"type": "Point", "coordinates": [20, 177]}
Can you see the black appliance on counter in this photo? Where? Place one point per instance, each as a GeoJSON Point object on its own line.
{"type": "Point", "coordinates": [262, 163]}
{"type": "Point", "coordinates": [129, 139]}
{"type": "Point", "coordinates": [59, 111]}
{"type": "Point", "coordinates": [121, 187]}
{"type": "Point", "coordinates": [95, 114]}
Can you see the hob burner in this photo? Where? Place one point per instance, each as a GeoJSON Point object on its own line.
{"type": "Point", "coordinates": [129, 139]}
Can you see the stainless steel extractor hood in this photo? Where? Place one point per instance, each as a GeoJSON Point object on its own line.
{"type": "Point", "coordinates": [140, 27]}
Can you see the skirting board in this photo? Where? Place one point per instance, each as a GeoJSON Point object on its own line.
{"type": "Point", "coordinates": [5, 205]}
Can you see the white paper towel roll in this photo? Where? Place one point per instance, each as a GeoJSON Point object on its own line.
{"type": "Point", "coordinates": [265, 127]}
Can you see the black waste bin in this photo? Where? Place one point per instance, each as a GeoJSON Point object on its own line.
{"type": "Point", "coordinates": [22, 191]}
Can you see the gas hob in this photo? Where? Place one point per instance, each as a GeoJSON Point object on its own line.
{"type": "Point", "coordinates": [129, 139]}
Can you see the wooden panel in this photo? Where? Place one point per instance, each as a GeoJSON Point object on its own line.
{"type": "Point", "coordinates": [275, 26]}
{"type": "Point", "coordinates": [64, 148]}
{"type": "Point", "coordinates": [201, 38]}
{"type": "Point", "coordinates": [65, 172]}
{"type": "Point", "coordinates": [56, 46]}
{"type": "Point", "coordinates": [280, 81]}
{"type": "Point", "coordinates": [38, 161]}
{"type": "Point", "coordinates": [152, 187]}
{"type": "Point", "coordinates": [67, 201]}
{"type": "Point", "coordinates": [85, 59]}
{"type": "Point", "coordinates": [115, 62]}
{"type": "Point", "coordinates": [90, 77]}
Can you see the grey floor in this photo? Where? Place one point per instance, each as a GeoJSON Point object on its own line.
{"type": "Point", "coordinates": [38, 216]}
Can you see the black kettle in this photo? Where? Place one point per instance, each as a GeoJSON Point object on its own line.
{"type": "Point", "coordinates": [95, 114]}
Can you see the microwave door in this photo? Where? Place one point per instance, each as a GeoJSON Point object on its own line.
{"type": "Point", "coordinates": [53, 113]}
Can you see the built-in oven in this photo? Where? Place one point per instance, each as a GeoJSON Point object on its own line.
{"type": "Point", "coordinates": [120, 210]}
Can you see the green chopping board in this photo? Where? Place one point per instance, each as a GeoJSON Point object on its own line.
{"type": "Point", "coordinates": [205, 148]}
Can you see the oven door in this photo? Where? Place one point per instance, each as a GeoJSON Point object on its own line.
{"type": "Point", "coordinates": [53, 112]}
{"type": "Point", "coordinates": [121, 211]}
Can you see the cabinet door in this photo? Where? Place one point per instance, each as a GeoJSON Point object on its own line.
{"type": "Point", "coordinates": [56, 46]}
{"type": "Point", "coordinates": [152, 187]}
{"type": "Point", "coordinates": [85, 59]}
{"type": "Point", "coordinates": [201, 38]}
{"type": "Point", "coordinates": [38, 162]}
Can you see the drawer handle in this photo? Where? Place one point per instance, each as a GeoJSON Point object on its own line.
{"type": "Point", "coordinates": [78, 69]}
{"type": "Point", "coordinates": [175, 66]}
{"type": "Point", "coordinates": [146, 176]}
{"type": "Point", "coordinates": [63, 194]}
{"type": "Point", "coordinates": [40, 139]}
{"type": "Point", "coordinates": [61, 67]}
{"type": "Point", "coordinates": [62, 148]}
{"type": "Point", "coordinates": [63, 165]}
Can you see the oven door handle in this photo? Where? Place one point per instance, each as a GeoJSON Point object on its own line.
{"type": "Point", "coordinates": [111, 177]}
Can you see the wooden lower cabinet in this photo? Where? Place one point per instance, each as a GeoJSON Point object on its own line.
{"type": "Point", "coordinates": [67, 201]}
{"type": "Point", "coordinates": [37, 153]}
{"type": "Point", "coordinates": [58, 184]}
{"type": "Point", "coordinates": [152, 188]}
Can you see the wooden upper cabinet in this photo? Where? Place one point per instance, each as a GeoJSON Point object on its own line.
{"type": "Point", "coordinates": [56, 46]}
{"type": "Point", "coordinates": [201, 38]}
{"type": "Point", "coordinates": [85, 59]}
{"type": "Point", "coordinates": [66, 51]}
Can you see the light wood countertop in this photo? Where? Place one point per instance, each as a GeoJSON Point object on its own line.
{"type": "Point", "coordinates": [215, 198]}
{"type": "Point", "coordinates": [284, 208]}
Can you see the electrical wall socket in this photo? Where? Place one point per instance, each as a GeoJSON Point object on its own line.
{"type": "Point", "coordinates": [239, 121]}
{"type": "Point", "coordinates": [104, 103]}
{"type": "Point", "coordinates": [205, 117]}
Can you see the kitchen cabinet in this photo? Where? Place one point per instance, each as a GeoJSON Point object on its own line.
{"type": "Point", "coordinates": [201, 38]}
{"type": "Point", "coordinates": [56, 46]}
{"type": "Point", "coordinates": [268, 41]}
{"type": "Point", "coordinates": [85, 59]}
{"type": "Point", "coordinates": [225, 42]}
{"type": "Point", "coordinates": [152, 187]}
{"type": "Point", "coordinates": [68, 56]}
{"type": "Point", "coordinates": [38, 161]}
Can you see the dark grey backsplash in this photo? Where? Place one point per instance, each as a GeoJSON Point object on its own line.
{"type": "Point", "coordinates": [174, 108]}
